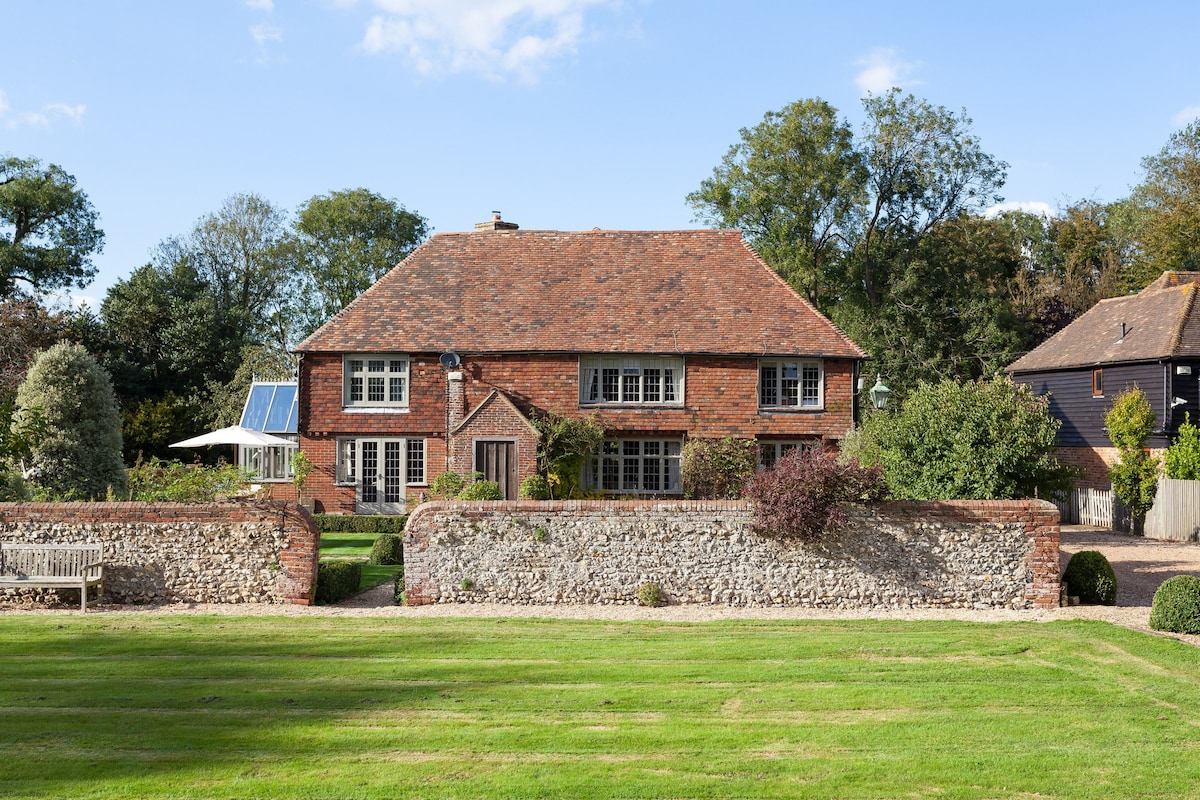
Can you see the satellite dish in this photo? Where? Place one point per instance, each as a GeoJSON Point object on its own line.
{"type": "Point", "coordinates": [449, 360]}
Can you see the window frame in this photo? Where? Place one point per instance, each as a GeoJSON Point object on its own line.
{"type": "Point", "coordinates": [1098, 382]}
{"type": "Point", "coordinates": [606, 380]}
{"type": "Point", "coordinates": [779, 447]}
{"type": "Point", "coordinates": [387, 375]}
{"type": "Point", "coordinates": [614, 454]}
{"type": "Point", "coordinates": [346, 450]}
{"type": "Point", "coordinates": [779, 390]}
{"type": "Point", "coordinates": [270, 457]}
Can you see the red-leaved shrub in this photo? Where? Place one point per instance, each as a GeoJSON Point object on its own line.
{"type": "Point", "coordinates": [805, 493]}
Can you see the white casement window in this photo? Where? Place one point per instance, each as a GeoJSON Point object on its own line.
{"type": "Point", "coordinates": [349, 457]}
{"type": "Point", "coordinates": [635, 466]}
{"type": "Point", "coordinates": [636, 380]}
{"type": "Point", "coordinates": [375, 381]}
{"type": "Point", "coordinates": [786, 383]}
{"type": "Point", "coordinates": [770, 452]}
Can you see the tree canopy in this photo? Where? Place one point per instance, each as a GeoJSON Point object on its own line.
{"type": "Point", "coordinates": [48, 228]}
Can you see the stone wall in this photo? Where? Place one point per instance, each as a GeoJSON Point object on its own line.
{"type": "Point", "coordinates": [959, 554]}
{"type": "Point", "coordinates": [262, 552]}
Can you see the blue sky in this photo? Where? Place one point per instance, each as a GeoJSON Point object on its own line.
{"type": "Point", "coordinates": [563, 114]}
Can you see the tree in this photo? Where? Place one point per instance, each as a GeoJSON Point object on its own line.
{"type": "Point", "coordinates": [847, 221]}
{"type": "Point", "coordinates": [345, 241]}
{"type": "Point", "coordinates": [1169, 196]}
{"type": "Point", "coordinates": [25, 328]}
{"type": "Point", "coordinates": [79, 455]}
{"type": "Point", "coordinates": [48, 228]}
{"type": "Point", "coordinates": [985, 439]}
{"type": "Point", "coordinates": [563, 445]}
{"type": "Point", "coordinates": [1182, 459]}
{"type": "Point", "coordinates": [948, 310]}
{"type": "Point", "coordinates": [239, 252]}
{"type": "Point", "coordinates": [1130, 421]}
{"type": "Point", "coordinates": [795, 185]}
{"type": "Point", "coordinates": [924, 166]}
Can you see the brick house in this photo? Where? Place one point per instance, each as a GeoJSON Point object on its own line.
{"type": "Point", "coordinates": [660, 334]}
{"type": "Point", "coordinates": [1150, 340]}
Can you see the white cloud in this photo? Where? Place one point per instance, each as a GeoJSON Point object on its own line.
{"type": "Point", "coordinates": [1186, 116]}
{"type": "Point", "coordinates": [45, 117]}
{"type": "Point", "coordinates": [265, 35]}
{"type": "Point", "coordinates": [882, 69]}
{"type": "Point", "coordinates": [261, 5]}
{"type": "Point", "coordinates": [1028, 206]}
{"type": "Point", "coordinates": [493, 38]}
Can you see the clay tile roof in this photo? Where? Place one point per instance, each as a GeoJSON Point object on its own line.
{"type": "Point", "coordinates": [694, 292]}
{"type": "Point", "coordinates": [1159, 324]}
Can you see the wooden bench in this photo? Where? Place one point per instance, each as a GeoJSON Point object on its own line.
{"type": "Point", "coordinates": [54, 566]}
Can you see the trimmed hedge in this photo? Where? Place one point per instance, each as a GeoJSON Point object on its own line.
{"type": "Point", "coordinates": [337, 580]}
{"type": "Point", "coordinates": [360, 523]}
{"type": "Point", "coordinates": [388, 549]}
{"type": "Point", "coordinates": [1090, 577]}
{"type": "Point", "coordinates": [1176, 605]}
{"type": "Point", "coordinates": [398, 589]}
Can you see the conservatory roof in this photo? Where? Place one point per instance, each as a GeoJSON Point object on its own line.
{"type": "Point", "coordinates": [271, 408]}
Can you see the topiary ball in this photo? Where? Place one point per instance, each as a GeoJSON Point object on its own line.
{"type": "Point", "coordinates": [1090, 577]}
{"type": "Point", "coordinates": [1176, 605]}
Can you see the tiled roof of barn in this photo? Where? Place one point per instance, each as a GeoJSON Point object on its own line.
{"type": "Point", "coordinates": [1160, 322]}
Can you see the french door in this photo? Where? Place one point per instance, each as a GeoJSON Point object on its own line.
{"type": "Point", "coordinates": [381, 476]}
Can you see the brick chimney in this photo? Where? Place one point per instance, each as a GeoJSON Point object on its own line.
{"type": "Point", "coordinates": [496, 224]}
{"type": "Point", "coordinates": [456, 412]}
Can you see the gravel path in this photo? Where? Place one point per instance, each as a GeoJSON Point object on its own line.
{"type": "Point", "coordinates": [1141, 565]}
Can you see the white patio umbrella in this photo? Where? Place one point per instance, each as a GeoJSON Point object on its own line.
{"type": "Point", "coordinates": [234, 434]}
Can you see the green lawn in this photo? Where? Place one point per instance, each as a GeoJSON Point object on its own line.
{"type": "Point", "coordinates": [134, 706]}
{"type": "Point", "coordinates": [357, 546]}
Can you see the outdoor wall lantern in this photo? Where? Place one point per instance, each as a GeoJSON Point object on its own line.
{"type": "Point", "coordinates": [879, 394]}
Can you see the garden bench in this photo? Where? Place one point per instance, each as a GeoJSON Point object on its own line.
{"type": "Point", "coordinates": [54, 566]}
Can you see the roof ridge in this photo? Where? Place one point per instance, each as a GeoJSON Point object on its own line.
{"type": "Point", "coordinates": [1182, 320]}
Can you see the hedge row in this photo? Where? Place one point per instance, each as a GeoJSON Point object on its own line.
{"type": "Point", "coordinates": [359, 523]}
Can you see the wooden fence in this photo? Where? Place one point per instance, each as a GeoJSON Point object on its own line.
{"type": "Point", "coordinates": [1175, 515]}
{"type": "Point", "coordinates": [1176, 512]}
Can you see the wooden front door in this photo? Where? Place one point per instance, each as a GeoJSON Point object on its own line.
{"type": "Point", "coordinates": [497, 460]}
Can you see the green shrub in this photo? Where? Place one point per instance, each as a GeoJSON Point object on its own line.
{"type": "Point", "coordinates": [481, 490]}
{"type": "Point", "coordinates": [1090, 577]}
{"type": "Point", "coordinates": [388, 549]}
{"type": "Point", "coordinates": [446, 486]}
{"type": "Point", "coordinates": [1176, 605]}
{"type": "Point", "coordinates": [398, 589]}
{"type": "Point", "coordinates": [159, 481]}
{"type": "Point", "coordinates": [360, 523]}
{"type": "Point", "coordinates": [535, 487]}
{"type": "Point", "coordinates": [337, 580]}
{"type": "Point", "coordinates": [649, 594]}
{"type": "Point", "coordinates": [717, 469]}
{"type": "Point", "coordinates": [1182, 460]}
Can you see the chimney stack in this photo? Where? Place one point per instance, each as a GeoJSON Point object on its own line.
{"type": "Point", "coordinates": [496, 224]}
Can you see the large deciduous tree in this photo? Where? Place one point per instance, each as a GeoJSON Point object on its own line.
{"type": "Point", "coordinates": [344, 242]}
{"type": "Point", "coordinates": [795, 185]}
{"type": "Point", "coordinates": [48, 228]}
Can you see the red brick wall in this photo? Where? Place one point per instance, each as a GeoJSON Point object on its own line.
{"type": "Point", "coordinates": [497, 420]}
{"type": "Point", "coordinates": [1094, 463]}
{"type": "Point", "coordinates": [720, 399]}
